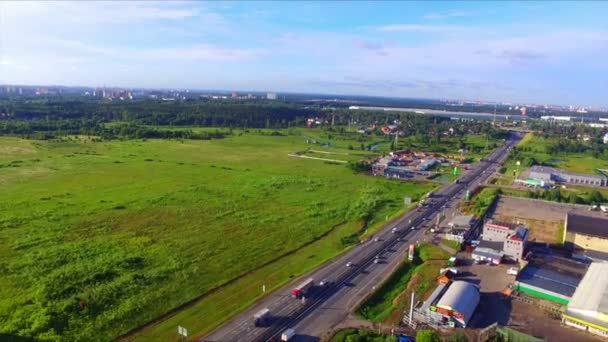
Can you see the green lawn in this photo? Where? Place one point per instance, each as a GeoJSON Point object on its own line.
{"type": "Point", "coordinates": [390, 300]}
{"type": "Point", "coordinates": [451, 243]}
{"type": "Point", "coordinates": [97, 238]}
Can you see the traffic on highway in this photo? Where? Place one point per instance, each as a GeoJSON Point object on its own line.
{"type": "Point", "coordinates": [334, 289]}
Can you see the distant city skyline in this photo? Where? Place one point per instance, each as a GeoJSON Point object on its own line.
{"type": "Point", "coordinates": [529, 52]}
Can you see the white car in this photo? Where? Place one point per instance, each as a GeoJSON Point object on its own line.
{"type": "Point", "coordinates": [394, 230]}
{"type": "Point", "coordinates": [349, 264]}
{"type": "Point", "coordinates": [413, 227]}
{"type": "Point", "coordinates": [512, 271]}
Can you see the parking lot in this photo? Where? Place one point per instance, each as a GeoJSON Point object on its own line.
{"type": "Point", "coordinates": [492, 280]}
{"type": "Point", "coordinates": [527, 316]}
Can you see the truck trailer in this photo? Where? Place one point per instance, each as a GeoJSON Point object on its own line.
{"type": "Point", "coordinates": [261, 317]}
{"type": "Point", "coordinates": [301, 290]}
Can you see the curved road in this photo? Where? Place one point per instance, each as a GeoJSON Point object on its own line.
{"type": "Point", "coordinates": [328, 306]}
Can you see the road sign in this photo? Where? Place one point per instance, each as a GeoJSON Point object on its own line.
{"type": "Point", "coordinates": [182, 331]}
{"type": "Point", "coordinates": [455, 170]}
{"type": "Point", "coordinates": [263, 288]}
{"type": "Point", "coordinates": [518, 163]}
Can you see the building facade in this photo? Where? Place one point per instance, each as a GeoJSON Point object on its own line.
{"type": "Point", "coordinates": [550, 174]}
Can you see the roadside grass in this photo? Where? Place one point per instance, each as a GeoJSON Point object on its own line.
{"type": "Point", "coordinates": [481, 202]}
{"type": "Point", "coordinates": [361, 335]}
{"type": "Point", "coordinates": [98, 238]}
{"type": "Point", "coordinates": [451, 243]}
{"type": "Point", "coordinates": [393, 296]}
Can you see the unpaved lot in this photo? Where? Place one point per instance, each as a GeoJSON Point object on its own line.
{"type": "Point", "coordinates": [542, 218]}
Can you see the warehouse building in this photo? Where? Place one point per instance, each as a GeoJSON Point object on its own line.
{"type": "Point", "coordinates": [586, 231]}
{"type": "Point", "coordinates": [551, 174]}
{"type": "Point", "coordinates": [551, 277]}
{"type": "Point", "coordinates": [451, 304]}
{"type": "Point", "coordinates": [588, 308]}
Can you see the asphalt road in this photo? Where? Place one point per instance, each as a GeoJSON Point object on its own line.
{"type": "Point", "coordinates": [327, 306]}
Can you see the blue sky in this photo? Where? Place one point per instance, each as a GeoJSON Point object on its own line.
{"type": "Point", "coordinates": [541, 52]}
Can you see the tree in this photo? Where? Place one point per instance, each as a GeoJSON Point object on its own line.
{"type": "Point", "coordinates": [427, 335]}
{"type": "Point", "coordinates": [596, 197]}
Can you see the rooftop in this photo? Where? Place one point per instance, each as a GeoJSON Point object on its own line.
{"type": "Point", "coordinates": [587, 225]}
{"type": "Point", "coordinates": [461, 297]}
{"type": "Point", "coordinates": [461, 220]}
{"type": "Point", "coordinates": [493, 245]}
{"type": "Point", "coordinates": [552, 273]}
{"type": "Point", "coordinates": [592, 292]}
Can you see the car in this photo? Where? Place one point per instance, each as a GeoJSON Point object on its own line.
{"type": "Point", "coordinates": [413, 228]}
{"type": "Point", "coordinates": [349, 264]}
{"type": "Point", "coordinates": [394, 230]}
{"type": "Point", "coordinates": [325, 282]}
{"type": "Point", "coordinates": [512, 271]}
{"type": "Point", "coordinates": [376, 239]}
{"type": "Point", "coordinates": [376, 261]}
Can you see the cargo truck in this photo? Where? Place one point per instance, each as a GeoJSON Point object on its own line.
{"type": "Point", "coordinates": [261, 317]}
{"type": "Point", "coordinates": [302, 289]}
{"type": "Point", "coordinates": [288, 334]}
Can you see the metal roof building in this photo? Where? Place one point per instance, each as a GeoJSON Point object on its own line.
{"type": "Point", "coordinates": [460, 300]}
{"type": "Point", "coordinates": [588, 308]}
{"type": "Point", "coordinates": [554, 279]}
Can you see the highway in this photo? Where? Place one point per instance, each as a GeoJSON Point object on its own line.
{"type": "Point", "coordinates": [329, 305]}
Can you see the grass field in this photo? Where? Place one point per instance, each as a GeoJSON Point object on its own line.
{"type": "Point", "coordinates": [97, 238]}
{"type": "Point", "coordinates": [534, 147]}
{"type": "Point", "coordinates": [390, 300]}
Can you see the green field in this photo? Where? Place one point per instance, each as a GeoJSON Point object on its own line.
{"type": "Point", "coordinates": [98, 238]}
{"type": "Point", "coordinates": [533, 147]}
{"type": "Point", "coordinates": [392, 298]}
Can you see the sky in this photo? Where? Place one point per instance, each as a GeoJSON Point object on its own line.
{"type": "Point", "coordinates": [525, 52]}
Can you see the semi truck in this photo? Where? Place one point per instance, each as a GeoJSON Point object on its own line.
{"type": "Point", "coordinates": [261, 317]}
{"type": "Point", "coordinates": [302, 289]}
{"type": "Point", "coordinates": [288, 334]}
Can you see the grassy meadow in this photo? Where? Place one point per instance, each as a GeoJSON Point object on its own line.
{"type": "Point", "coordinates": [98, 238]}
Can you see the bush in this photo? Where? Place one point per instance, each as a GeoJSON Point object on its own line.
{"type": "Point", "coordinates": [427, 335]}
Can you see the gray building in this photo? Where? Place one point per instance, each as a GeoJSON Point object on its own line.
{"type": "Point", "coordinates": [551, 174]}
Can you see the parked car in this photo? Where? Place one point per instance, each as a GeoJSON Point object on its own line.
{"type": "Point", "coordinates": [349, 264]}
{"type": "Point", "coordinates": [512, 271]}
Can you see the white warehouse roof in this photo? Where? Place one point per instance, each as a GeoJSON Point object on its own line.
{"type": "Point", "coordinates": [591, 295]}
{"type": "Point", "coordinates": [461, 297]}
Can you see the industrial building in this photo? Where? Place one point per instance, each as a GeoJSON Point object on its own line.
{"type": "Point", "coordinates": [588, 307]}
{"type": "Point", "coordinates": [450, 304]}
{"type": "Point", "coordinates": [551, 174]}
{"type": "Point", "coordinates": [550, 277]}
{"type": "Point", "coordinates": [588, 231]}
{"type": "Point", "coordinates": [506, 238]}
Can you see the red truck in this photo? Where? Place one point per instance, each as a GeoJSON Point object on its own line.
{"type": "Point", "coordinates": [301, 290]}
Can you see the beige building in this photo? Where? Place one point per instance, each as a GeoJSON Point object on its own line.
{"type": "Point", "coordinates": [588, 232]}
